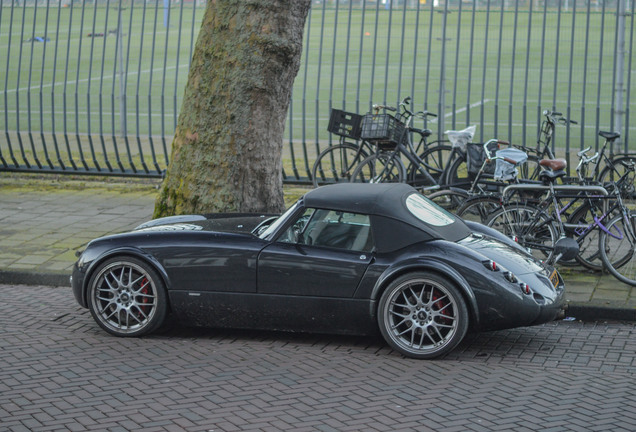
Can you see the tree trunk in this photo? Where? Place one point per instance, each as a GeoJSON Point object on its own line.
{"type": "Point", "coordinates": [226, 152]}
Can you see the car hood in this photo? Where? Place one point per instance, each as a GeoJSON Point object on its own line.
{"type": "Point", "coordinates": [505, 255]}
{"type": "Point", "coordinates": [228, 222]}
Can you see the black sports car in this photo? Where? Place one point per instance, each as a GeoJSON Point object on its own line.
{"type": "Point", "coordinates": [347, 258]}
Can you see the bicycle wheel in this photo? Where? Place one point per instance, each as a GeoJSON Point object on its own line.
{"type": "Point", "coordinates": [479, 208]}
{"type": "Point", "coordinates": [335, 164]}
{"type": "Point", "coordinates": [529, 226]}
{"type": "Point", "coordinates": [580, 225]}
{"type": "Point", "coordinates": [617, 244]}
{"type": "Point", "coordinates": [381, 167]}
{"type": "Point", "coordinates": [615, 170]}
{"type": "Point", "coordinates": [530, 169]}
{"type": "Point", "coordinates": [457, 175]}
{"type": "Point", "coordinates": [434, 160]}
{"type": "Point", "coordinates": [448, 199]}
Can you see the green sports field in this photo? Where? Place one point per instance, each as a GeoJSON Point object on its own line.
{"type": "Point", "coordinates": [101, 72]}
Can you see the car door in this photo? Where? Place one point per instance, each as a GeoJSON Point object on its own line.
{"type": "Point", "coordinates": [324, 254]}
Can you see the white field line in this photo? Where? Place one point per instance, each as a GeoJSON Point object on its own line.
{"type": "Point", "coordinates": [475, 105]}
{"type": "Point", "coordinates": [58, 83]}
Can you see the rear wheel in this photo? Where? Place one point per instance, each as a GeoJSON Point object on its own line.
{"type": "Point", "coordinates": [384, 167]}
{"type": "Point", "coordinates": [434, 160]}
{"type": "Point", "coordinates": [479, 208]}
{"type": "Point", "coordinates": [422, 315]}
{"type": "Point", "coordinates": [335, 164]}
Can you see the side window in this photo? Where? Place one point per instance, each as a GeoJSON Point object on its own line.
{"type": "Point", "coordinates": [339, 230]}
{"type": "Point", "coordinates": [293, 233]}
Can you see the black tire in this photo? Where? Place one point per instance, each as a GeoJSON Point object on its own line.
{"type": "Point", "coordinates": [529, 226]}
{"type": "Point", "coordinates": [434, 160]}
{"type": "Point", "coordinates": [530, 169]}
{"type": "Point", "coordinates": [335, 164]}
{"type": "Point", "coordinates": [589, 254]}
{"type": "Point", "coordinates": [422, 315]}
{"type": "Point", "coordinates": [615, 171]}
{"type": "Point", "coordinates": [127, 297]}
{"type": "Point", "coordinates": [457, 175]}
{"type": "Point", "coordinates": [479, 208]}
{"type": "Point", "coordinates": [617, 249]}
{"type": "Point", "coordinates": [448, 199]}
{"type": "Point", "coordinates": [383, 167]}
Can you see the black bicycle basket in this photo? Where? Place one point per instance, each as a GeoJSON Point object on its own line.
{"type": "Point", "coordinates": [382, 129]}
{"type": "Point", "coordinates": [345, 124]}
{"type": "Point", "coordinates": [475, 157]}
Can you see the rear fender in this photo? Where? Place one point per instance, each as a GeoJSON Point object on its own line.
{"type": "Point", "coordinates": [433, 266]}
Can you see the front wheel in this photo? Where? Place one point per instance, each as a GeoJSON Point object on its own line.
{"type": "Point", "coordinates": [529, 226]}
{"type": "Point", "coordinates": [422, 315]}
{"type": "Point", "coordinates": [127, 297]}
{"type": "Point", "coordinates": [617, 244]}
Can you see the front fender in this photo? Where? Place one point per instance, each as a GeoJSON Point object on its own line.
{"type": "Point", "coordinates": [431, 265]}
{"type": "Point", "coordinates": [87, 268]}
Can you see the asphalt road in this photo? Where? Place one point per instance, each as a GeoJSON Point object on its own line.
{"type": "Point", "coordinates": [59, 371]}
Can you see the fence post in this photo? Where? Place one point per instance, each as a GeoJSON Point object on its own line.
{"type": "Point", "coordinates": [122, 79]}
{"type": "Point", "coordinates": [620, 68]}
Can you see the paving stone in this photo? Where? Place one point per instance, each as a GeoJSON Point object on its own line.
{"type": "Point", "coordinates": [61, 372]}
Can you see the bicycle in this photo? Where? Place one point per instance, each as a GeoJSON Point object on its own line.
{"type": "Point", "coordinates": [507, 164]}
{"type": "Point", "coordinates": [550, 238]}
{"type": "Point", "coordinates": [459, 175]}
{"type": "Point", "coordinates": [336, 163]}
{"type": "Point", "coordinates": [479, 203]}
{"type": "Point", "coordinates": [426, 170]}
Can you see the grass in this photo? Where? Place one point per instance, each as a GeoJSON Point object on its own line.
{"type": "Point", "coordinates": [501, 69]}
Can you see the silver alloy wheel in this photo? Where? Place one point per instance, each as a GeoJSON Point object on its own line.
{"type": "Point", "coordinates": [422, 317]}
{"type": "Point", "coordinates": [124, 298]}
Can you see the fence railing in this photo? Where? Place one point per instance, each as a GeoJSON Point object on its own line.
{"type": "Point", "coordinates": [96, 87]}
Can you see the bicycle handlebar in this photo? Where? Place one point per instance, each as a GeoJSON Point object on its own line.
{"type": "Point", "coordinates": [378, 107]}
{"type": "Point", "coordinates": [557, 117]}
{"type": "Point", "coordinates": [492, 158]}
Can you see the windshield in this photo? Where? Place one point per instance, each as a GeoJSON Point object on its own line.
{"type": "Point", "coordinates": [427, 211]}
{"type": "Point", "coordinates": [278, 222]}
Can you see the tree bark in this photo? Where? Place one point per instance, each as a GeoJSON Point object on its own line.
{"type": "Point", "coordinates": [226, 152]}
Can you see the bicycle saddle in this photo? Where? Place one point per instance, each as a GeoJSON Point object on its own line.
{"type": "Point", "coordinates": [424, 132]}
{"type": "Point", "coordinates": [555, 169]}
{"type": "Point", "coordinates": [610, 136]}
{"type": "Point", "coordinates": [554, 164]}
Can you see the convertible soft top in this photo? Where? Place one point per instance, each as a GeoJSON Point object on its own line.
{"type": "Point", "coordinates": [386, 200]}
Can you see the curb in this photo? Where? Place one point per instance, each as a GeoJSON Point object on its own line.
{"type": "Point", "coordinates": [588, 312]}
{"type": "Point", "coordinates": [9, 277]}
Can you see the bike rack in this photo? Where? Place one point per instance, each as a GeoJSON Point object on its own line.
{"type": "Point", "coordinates": [533, 187]}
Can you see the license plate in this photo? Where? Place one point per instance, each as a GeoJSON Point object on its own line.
{"type": "Point", "coordinates": [554, 278]}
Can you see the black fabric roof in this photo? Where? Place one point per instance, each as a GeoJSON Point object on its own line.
{"type": "Point", "coordinates": [386, 200]}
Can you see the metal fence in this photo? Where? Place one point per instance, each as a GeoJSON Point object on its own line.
{"type": "Point", "coordinates": [95, 87]}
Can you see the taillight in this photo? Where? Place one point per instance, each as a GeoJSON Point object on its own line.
{"type": "Point", "coordinates": [525, 288]}
{"type": "Point", "coordinates": [490, 265]}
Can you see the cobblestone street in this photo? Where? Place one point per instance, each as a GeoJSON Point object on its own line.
{"type": "Point", "coordinates": [59, 371]}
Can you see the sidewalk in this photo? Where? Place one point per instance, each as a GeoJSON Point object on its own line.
{"type": "Point", "coordinates": [44, 222]}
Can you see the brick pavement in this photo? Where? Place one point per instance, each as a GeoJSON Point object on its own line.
{"type": "Point", "coordinates": [60, 371]}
